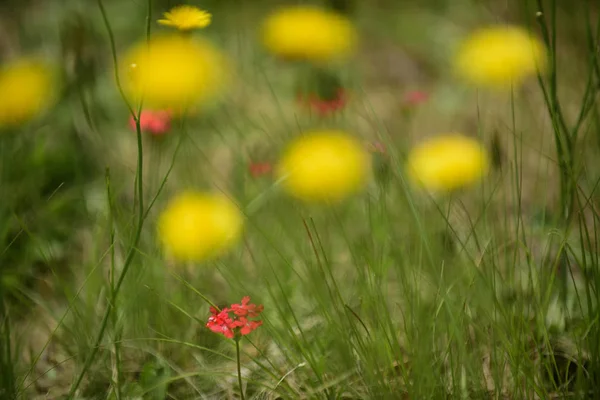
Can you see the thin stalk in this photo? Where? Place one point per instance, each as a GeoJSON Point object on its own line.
{"type": "Point", "coordinates": [140, 192]}
{"type": "Point", "coordinates": [239, 366]}
{"type": "Point", "coordinates": [117, 348]}
{"type": "Point", "coordinates": [564, 141]}
{"type": "Point", "coordinates": [8, 379]}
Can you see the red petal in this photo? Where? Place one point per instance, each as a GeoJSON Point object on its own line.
{"type": "Point", "coordinates": [246, 330]}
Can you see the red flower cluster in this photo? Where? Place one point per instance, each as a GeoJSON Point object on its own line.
{"type": "Point", "coordinates": [154, 122]}
{"type": "Point", "coordinates": [221, 321]}
{"type": "Point", "coordinates": [325, 107]}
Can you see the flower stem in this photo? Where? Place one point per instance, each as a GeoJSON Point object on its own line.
{"type": "Point", "coordinates": [132, 251]}
{"type": "Point", "coordinates": [239, 366]}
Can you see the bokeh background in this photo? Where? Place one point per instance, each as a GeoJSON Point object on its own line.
{"type": "Point", "coordinates": [487, 292]}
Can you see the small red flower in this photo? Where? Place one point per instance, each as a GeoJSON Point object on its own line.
{"type": "Point", "coordinates": [259, 169]}
{"type": "Point", "coordinates": [324, 107]}
{"type": "Point", "coordinates": [416, 97]}
{"type": "Point", "coordinates": [154, 122]}
{"type": "Point", "coordinates": [220, 322]}
{"type": "Point", "coordinates": [246, 325]}
{"type": "Point", "coordinates": [376, 147]}
{"type": "Point", "coordinates": [238, 324]}
{"type": "Point", "coordinates": [246, 309]}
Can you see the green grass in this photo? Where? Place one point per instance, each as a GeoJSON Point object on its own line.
{"type": "Point", "coordinates": [491, 292]}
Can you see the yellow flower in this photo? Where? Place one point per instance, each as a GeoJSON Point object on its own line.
{"type": "Point", "coordinates": [308, 33]}
{"type": "Point", "coordinates": [447, 162]}
{"type": "Point", "coordinates": [27, 86]}
{"type": "Point", "coordinates": [197, 226]}
{"type": "Point", "coordinates": [324, 166]}
{"type": "Point", "coordinates": [173, 72]}
{"type": "Point", "coordinates": [186, 18]}
{"type": "Point", "coordinates": [499, 56]}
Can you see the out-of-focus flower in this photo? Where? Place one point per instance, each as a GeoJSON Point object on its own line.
{"type": "Point", "coordinates": [324, 166]}
{"type": "Point", "coordinates": [186, 18]}
{"type": "Point", "coordinates": [447, 162]}
{"type": "Point", "coordinates": [500, 56]}
{"type": "Point", "coordinates": [259, 169]}
{"type": "Point", "coordinates": [196, 226]}
{"type": "Point", "coordinates": [240, 324]}
{"type": "Point", "coordinates": [376, 147]}
{"type": "Point", "coordinates": [324, 107]}
{"type": "Point", "coordinates": [308, 33]}
{"type": "Point", "coordinates": [154, 122]}
{"type": "Point", "coordinates": [415, 98]}
{"type": "Point", "coordinates": [173, 72]}
{"type": "Point", "coordinates": [27, 87]}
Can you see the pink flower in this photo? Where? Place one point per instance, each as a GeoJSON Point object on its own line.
{"type": "Point", "coordinates": [221, 321]}
{"type": "Point", "coordinates": [154, 122]}
{"type": "Point", "coordinates": [416, 97]}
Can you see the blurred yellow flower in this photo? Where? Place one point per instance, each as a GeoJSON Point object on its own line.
{"type": "Point", "coordinates": [27, 86]}
{"type": "Point", "coordinates": [186, 18]}
{"type": "Point", "coordinates": [500, 56]}
{"type": "Point", "coordinates": [173, 71]}
{"type": "Point", "coordinates": [197, 226]}
{"type": "Point", "coordinates": [447, 162]}
{"type": "Point", "coordinates": [308, 33]}
{"type": "Point", "coordinates": [324, 166]}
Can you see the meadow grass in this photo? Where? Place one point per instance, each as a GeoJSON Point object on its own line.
{"type": "Point", "coordinates": [487, 292]}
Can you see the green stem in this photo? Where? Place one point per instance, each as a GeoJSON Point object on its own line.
{"type": "Point", "coordinates": [239, 366]}
{"type": "Point", "coordinates": [117, 346]}
{"type": "Point", "coordinates": [7, 380]}
{"type": "Point", "coordinates": [564, 142]}
{"type": "Point", "coordinates": [138, 232]}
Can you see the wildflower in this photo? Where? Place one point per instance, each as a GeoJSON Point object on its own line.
{"type": "Point", "coordinates": [174, 72]}
{"type": "Point", "coordinates": [447, 162]}
{"type": "Point", "coordinates": [186, 18]}
{"type": "Point", "coordinates": [376, 147]}
{"type": "Point", "coordinates": [500, 56]}
{"type": "Point", "coordinates": [259, 169]}
{"type": "Point", "coordinates": [246, 309]}
{"type": "Point", "coordinates": [220, 322]}
{"type": "Point", "coordinates": [415, 98]}
{"type": "Point", "coordinates": [240, 324]}
{"type": "Point", "coordinates": [324, 107]}
{"type": "Point", "coordinates": [308, 33]}
{"type": "Point", "coordinates": [27, 86]}
{"type": "Point", "coordinates": [324, 166]}
{"type": "Point", "coordinates": [196, 226]}
{"type": "Point", "coordinates": [154, 122]}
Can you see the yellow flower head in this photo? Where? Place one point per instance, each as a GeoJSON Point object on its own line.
{"type": "Point", "coordinates": [26, 87]}
{"type": "Point", "coordinates": [186, 18]}
{"type": "Point", "coordinates": [500, 56]}
{"type": "Point", "coordinates": [324, 166]}
{"type": "Point", "coordinates": [308, 33]}
{"type": "Point", "coordinates": [197, 226]}
{"type": "Point", "coordinates": [447, 162]}
{"type": "Point", "coordinates": [173, 72]}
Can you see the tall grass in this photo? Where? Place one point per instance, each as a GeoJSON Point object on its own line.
{"type": "Point", "coordinates": [393, 294]}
